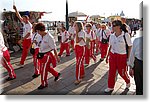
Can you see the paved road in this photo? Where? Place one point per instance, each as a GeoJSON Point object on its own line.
{"type": "Point", "coordinates": [95, 80]}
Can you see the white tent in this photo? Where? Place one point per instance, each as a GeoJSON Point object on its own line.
{"type": "Point", "coordinates": [77, 14]}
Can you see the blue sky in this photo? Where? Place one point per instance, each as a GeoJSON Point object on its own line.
{"type": "Point", "coordinates": [90, 7]}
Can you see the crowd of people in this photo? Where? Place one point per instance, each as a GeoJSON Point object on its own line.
{"type": "Point", "coordinates": [86, 40]}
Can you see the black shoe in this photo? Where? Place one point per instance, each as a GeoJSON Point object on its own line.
{"type": "Point", "coordinates": [59, 55]}
{"type": "Point", "coordinates": [9, 78]}
{"type": "Point", "coordinates": [101, 60]}
{"type": "Point", "coordinates": [56, 78]}
{"type": "Point", "coordinates": [35, 75]}
{"type": "Point", "coordinates": [42, 87]}
{"type": "Point", "coordinates": [67, 55]}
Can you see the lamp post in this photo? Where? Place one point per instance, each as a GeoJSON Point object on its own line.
{"type": "Point", "coordinates": [67, 19]}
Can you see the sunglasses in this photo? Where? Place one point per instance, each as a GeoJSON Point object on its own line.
{"type": "Point", "coordinates": [88, 26]}
{"type": "Point", "coordinates": [114, 25]}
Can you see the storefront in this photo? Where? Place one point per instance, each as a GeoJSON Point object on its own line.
{"type": "Point", "coordinates": [12, 28]}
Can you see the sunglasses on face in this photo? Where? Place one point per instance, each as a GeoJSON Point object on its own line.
{"type": "Point", "coordinates": [114, 25]}
{"type": "Point", "coordinates": [87, 26]}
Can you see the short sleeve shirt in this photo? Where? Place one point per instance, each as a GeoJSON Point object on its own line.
{"type": "Point", "coordinates": [118, 44]}
{"type": "Point", "coordinates": [47, 43]}
{"type": "Point", "coordinates": [27, 28]}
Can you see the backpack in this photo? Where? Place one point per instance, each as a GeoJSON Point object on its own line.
{"type": "Point", "coordinates": [126, 44]}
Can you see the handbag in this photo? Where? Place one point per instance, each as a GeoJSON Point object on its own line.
{"type": "Point", "coordinates": [32, 50]}
{"type": "Point", "coordinates": [40, 55]}
{"type": "Point", "coordinates": [104, 41]}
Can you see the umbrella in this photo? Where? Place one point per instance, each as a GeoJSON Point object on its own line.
{"type": "Point", "coordinates": [77, 14]}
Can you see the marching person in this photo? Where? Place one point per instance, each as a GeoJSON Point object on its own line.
{"type": "Point", "coordinates": [123, 20]}
{"type": "Point", "coordinates": [104, 39]}
{"type": "Point", "coordinates": [36, 39]}
{"type": "Point", "coordinates": [90, 41]}
{"type": "Point", "coordinates": [46, 56]}
{"type": "Point", "coordinates": [136, 64]}
{"type": "Point", "coordinates": [97, 38]}
{"type": "Point", "coordinates": [93, 26]}
{"type": "Point", "coordinates": [5, 59]}
{"type": "Point", "coordinates": [26, 40]}
{"type": "Point", "coordinates": [72, 34]}
{"type": "Point", "coordinates": [135, 26]}
{"type": "Point", "coordinates": [79, 51]}
{"type": "Point", "coordinates": [64, 45]}
{"type": "Point", "coordinates": [118, 54]}
{"type": "Point", "coordinates": [110, 27]}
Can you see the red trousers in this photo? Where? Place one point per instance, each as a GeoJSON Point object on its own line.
{"type": "Point", "coordinates": [103, 48]}
{"type": "Point", "coordinates": [80, 53]}
{"type": "Point", "coordinates": [72, 43]}
{"type": "Point", "coordinates": [117, 62]}
{"type": "Point", "coordinates": [26, 45]}
{"type": "Point", "coordinates": [6, 64]}
{"type": "Point", "coordinates": [98, 44]}
{"type": "Point", "coordinates": [45, 67]}
{"type": "Point", "coordinates": [64, 46]}
{"type": "Point", "coordinates": [92, 47]}
{"type": "Point", "coordinates": [90, 53]}
{"type": "Point", "coordinates": [87, 55]}
{"type": "Point", "coordinates": [36, 62]}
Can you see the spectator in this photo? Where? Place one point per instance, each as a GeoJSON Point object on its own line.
{"type": "Point", "coordinates": [136, 64]}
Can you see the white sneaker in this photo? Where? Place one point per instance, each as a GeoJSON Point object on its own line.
{"type": "Point", "coordinates": [95, 61]}
{"type": "Point", "coordinates": [20, 65]}
{"type": "Point", "coordinates": [108, 90]}
{"type": "Point", "coordinates": [128, 85]}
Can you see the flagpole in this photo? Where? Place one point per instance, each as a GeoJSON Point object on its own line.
{"type": "Point", "coordinates": [13, 2]}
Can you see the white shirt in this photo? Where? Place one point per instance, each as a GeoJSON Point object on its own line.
{"type": "Point", "coordinates": [105, 34]}
{"type": "Point", "coordinates": [128, 28]}
{"type": "Point", "coordinates": [94, 27]}
{"type": "Point", "coordinates": [71, 31]}
{"type": "Point", "coordinates": [2, 45]}
{"type": "Point", "coordinates": [27, 28]}
{"type": "Point", "coordinates": [118, 44]}
{"type": "Point", "coordinates": [81, 34]}
{"type": "Point", "coordinates": [47, 43]}
{"type": "Point", "coordinates": [136, 51]}
{"type": "Point", "coordinates": [90, 35]}
{"type": "Point", "coordinates": [37, 38]}
{"type": "Point", "coordinates": [110, 28]}
{"type": "Point", "coordinates": [64, 35]}
{"type": "Point", "coordinates": [98, 33]}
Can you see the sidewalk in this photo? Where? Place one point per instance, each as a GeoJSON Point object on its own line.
{"type": "Point", "coordinates": [95, 80]}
